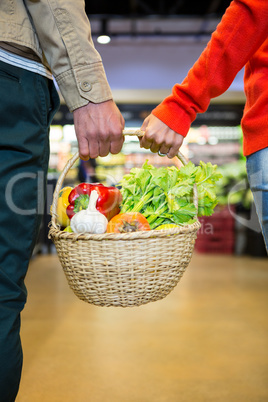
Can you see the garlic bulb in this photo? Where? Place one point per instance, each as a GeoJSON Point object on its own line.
{"type": "Point", "coordinates": [89, 220]}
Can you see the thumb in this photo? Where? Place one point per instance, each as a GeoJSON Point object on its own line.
{"type": "Point", "coordinates": [143, 128]}
{"type": "Point", "coordinates": [145, 123]}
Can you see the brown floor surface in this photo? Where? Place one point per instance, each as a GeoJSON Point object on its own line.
{"type": "Point", "coordinates": [206, 341]}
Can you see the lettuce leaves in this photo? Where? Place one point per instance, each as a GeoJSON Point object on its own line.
{"type": "Point", "coordinates": [165, 195]}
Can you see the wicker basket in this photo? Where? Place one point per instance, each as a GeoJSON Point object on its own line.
{"type": "Point", "coordinates": [128, 269]}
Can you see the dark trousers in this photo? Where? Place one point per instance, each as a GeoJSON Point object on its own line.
{"type": "Point", "coordinates": [28, 102]}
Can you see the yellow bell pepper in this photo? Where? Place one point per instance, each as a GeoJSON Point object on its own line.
{"type": "Point", "coordinates": [167, 226]}
{"type": "Point", "coordinates": [63, 202]}
{"type": "Point", "coordinates": [68, 229]}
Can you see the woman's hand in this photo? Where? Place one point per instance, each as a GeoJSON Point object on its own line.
{"type": "Point", "coordinates": [159, 137]}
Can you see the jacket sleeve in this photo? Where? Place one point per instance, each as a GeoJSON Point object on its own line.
{"type": "Point", "coordinates": [64, 33]}
{"type": "Point", "coordinates": [238, 36]}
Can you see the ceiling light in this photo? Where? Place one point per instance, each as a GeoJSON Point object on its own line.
{"type": "Point", "coordinates": [103, 39]}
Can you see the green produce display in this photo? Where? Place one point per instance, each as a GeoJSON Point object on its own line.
{"type": "Point", "coordinates": [233, 187]}
{"type": "Point", "coordinates": [165, 195]}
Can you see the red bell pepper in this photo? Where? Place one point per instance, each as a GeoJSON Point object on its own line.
{"type": "Point", "coordinates": [107, 203]}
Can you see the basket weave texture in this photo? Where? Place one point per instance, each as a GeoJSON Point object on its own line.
{"type": "Point", "coordinates": [125, 272]}
{"type": "Point", "coordinates": [122, 269]}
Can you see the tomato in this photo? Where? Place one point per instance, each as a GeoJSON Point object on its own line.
{"type": "Point", "coordinates": [70, 211]}
{"type": "Point", "coordinates": [128, 222]}
{"type": "Point", "coordinates": [63, 201]}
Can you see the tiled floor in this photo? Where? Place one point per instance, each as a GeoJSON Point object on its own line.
{"type": "Point", "coordinates": [206, 341]}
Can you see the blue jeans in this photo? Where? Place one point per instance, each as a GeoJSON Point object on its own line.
{"type": "Point", "coordinates": [28, 102]}
{"type": "Point", "coordinates": [257, 170]}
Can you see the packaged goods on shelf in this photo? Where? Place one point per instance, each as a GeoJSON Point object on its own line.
{"type": "Point", "coordinates": [218, 153]}
{"type": "Point", "coordinates": [218, 145]}
{"type": "Point", "coordinates": [110, 169]}
{"type": "Point", "coordinates": [112, 160]}
{"type": "Point", "coordinates": [109, 175]}
{"type": "Point", "coordinates": [63, 145]}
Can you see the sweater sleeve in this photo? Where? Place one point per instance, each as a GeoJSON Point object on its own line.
{"type": "Point", "coordinates": [242, 30]}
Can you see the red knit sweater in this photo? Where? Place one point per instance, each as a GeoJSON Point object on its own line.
{"type": "Point", "coordinates": [241, 39]}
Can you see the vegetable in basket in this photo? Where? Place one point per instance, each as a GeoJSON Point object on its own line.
{"type": "Point", "coordinates": [89, 220]}
{"type": "Point", "coordinates": [68, 229]}
{"type": "Point", "coordinates": [127, 223]}
{"type": "Point", "coordinates": [165, 195]}
{"type": "Point", "coordinates": [167, 226]}
{"type": "Point", "coordinates": [109, 199]}
{"type": "Point", "coordinates": [63, 202]}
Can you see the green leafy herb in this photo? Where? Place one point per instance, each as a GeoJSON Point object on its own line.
{"type": "Point", "coordinates": [165, 195]}
{"type": "Point", "coordinates": [81, 202]}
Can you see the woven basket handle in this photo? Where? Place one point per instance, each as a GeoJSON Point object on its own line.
{"type": "Point", "coordinates": [139, 133]}
{"type": "Point", "coordinates": [71, 161]}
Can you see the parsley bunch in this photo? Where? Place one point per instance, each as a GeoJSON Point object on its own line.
{"type": "Point", "coordinates": [165, 195]}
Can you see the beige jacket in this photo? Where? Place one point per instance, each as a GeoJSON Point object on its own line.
{"type": "Point", "coordinates": [58, 32]}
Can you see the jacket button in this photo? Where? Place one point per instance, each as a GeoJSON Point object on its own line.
{"type": "Point", "coordinates": [85, 86]}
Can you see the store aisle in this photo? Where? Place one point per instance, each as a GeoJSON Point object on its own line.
{"type": "Point", "coordinates": [206, 341]}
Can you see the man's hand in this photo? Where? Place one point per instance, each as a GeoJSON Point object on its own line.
{"type": "Point", "coordinates": [98, 128]}
{"type": "Point", "coordinates": [159, 137]}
